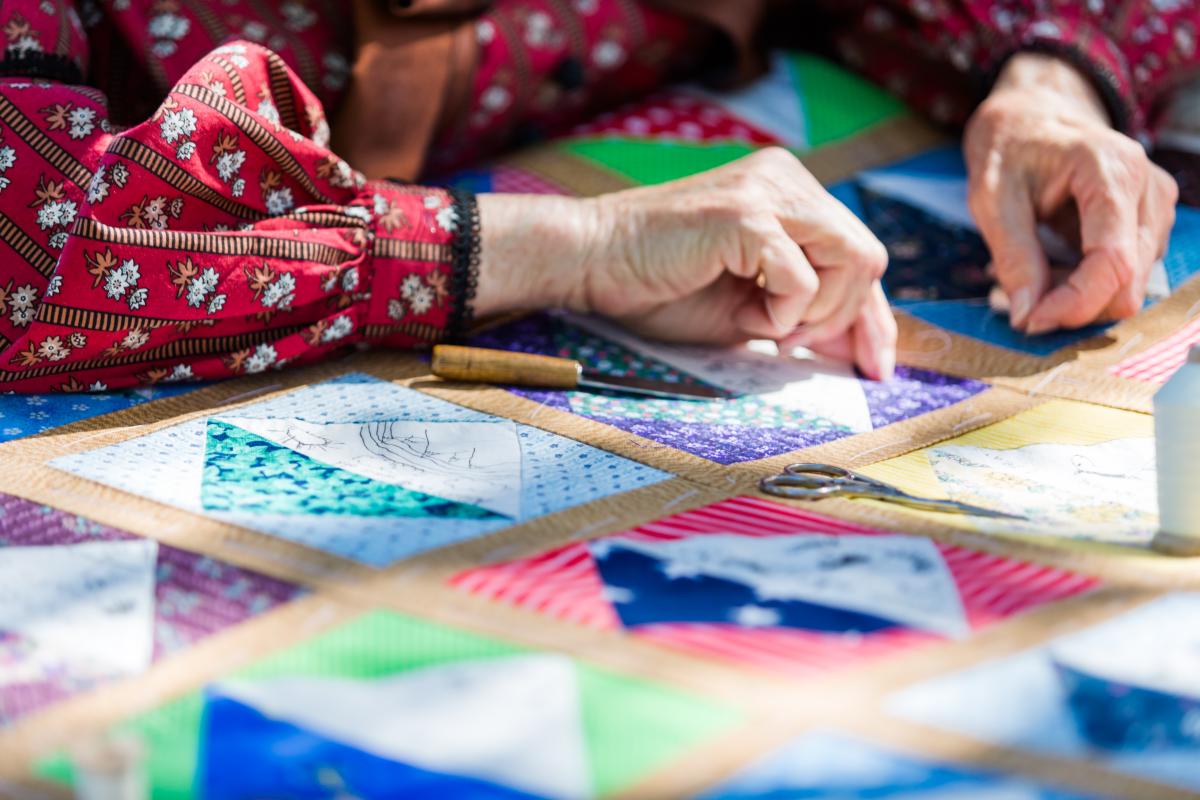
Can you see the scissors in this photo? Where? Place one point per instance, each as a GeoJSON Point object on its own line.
{"type": "Point", "coordinates": [815, 481]}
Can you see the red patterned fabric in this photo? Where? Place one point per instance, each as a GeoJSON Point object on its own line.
{"type": "Point", "coordinates": [1136, 51]}
{"type": "Point", "coordinates": [217, 238]}
{"type": "Point", "coordinates": [566, 585]}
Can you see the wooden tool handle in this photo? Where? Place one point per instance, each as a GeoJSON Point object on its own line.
{"type": "Point", "coordinates": [479, 365]}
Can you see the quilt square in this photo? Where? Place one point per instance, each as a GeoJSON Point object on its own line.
{"type": "Point", "coordinates": [28, 414]}
{"type": "Point", "coordinates": [362, 469]}
{"type": "Point", "coordinates": [1124, 693]}
{"type": "Point", "coordinates": [390, 706]}
{"type": "Point", "coordinates": [777, 404]}
{"type": "Point", "coordinates": [1075, 471]}
{"type": "Point", "coordinates": [938, 260]}
{"type": "Point", "coordinates": [82, 604]}
{"type": "Point", "coordinates": [758, 583]}
{"type": "Point", "coordinates": [830, 765]}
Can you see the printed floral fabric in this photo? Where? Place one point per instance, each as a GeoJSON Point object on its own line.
{"type": "Point", "coordinates": [219, 237]}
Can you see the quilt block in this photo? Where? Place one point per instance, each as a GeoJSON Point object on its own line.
{"type": "Point", "coordinates": [1124, 693]}
{"type": "Point", "coordinates": [776, 403]}
{"type": "Point", "coordinates": [761, 584]}
{"type": "Point", "coordinates": [362, 469]}
{"type": "Point", "coordinates": [83, 604]}
{"type": "Point", "coordinates": [1075, 471]}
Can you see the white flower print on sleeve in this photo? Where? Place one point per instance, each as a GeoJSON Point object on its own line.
{"type": "Point", "coordinates": [419, 296]}
{"type": "Point", "coordinates": [263, 357]}
{"type": "Point", "coordinates": [280, 293]}
{"type": "Point", "coordinates": [8, 157]}
{"type": "Point", "coordinates": [53, 349]}
{"type": "Point", "coordinates": [279, 201]}
{"type": "Point", "coordinates": [297, 16]}
{"type": "Point", "coordinates": [229, 163]}
{"type": "Point", "coordinates": [82, 122]}
{"type": "Point", "coordinates": [135, 338]}
{"type": "Point", "coordinates": [56, 213]}
{"type": "Point", "coordinates": [340, 328]}
{"type": "Point", "coordinates": [22, 301]}
{"type": "Point", "coordinates": [175, 125]}
{"type": "Point", "coordinates": [98, 189]}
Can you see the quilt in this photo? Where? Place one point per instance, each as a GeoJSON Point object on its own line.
{"type": "Point", "coordinates": [368, 583]}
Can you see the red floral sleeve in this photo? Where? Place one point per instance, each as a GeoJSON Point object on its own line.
{"type": "Point", "coordinates": [1136, 52]}
{"type": "Point", "coordinates": [220, 237]}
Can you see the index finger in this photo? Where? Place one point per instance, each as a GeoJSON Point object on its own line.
{"type": "Point", "coordinates": [1109, 233]}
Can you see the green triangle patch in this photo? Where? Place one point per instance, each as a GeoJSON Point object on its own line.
{"type": "Point", "coordinates": [647, 162]}
{"type": "Point", "coordinates": [246, 473]}
{"type": "Point", "coordinates": [838, 103]}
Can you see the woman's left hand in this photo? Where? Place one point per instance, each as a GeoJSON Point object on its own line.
{"type": "Point", "coordinates": [1040, 149]}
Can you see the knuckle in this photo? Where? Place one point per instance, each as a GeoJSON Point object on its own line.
{"type": "Point", "coordinates": [873, 258]}
{"type": "Point", "coordinates": [1167, 186]}
{"type": "Point", "coordinates": [774, 156]}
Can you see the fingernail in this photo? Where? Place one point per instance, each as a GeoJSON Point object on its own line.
{"type": "Point", "coordinates": [1020, 303]}
{"type": "Point", "coordinates": [1039, 325]}
{"type": "Point", "coordinates": [887, 365]}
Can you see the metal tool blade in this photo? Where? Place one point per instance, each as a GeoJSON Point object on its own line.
{"type": "Point", "coordinates": [647, 388]}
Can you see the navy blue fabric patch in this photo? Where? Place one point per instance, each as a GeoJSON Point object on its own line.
{"type": "Point", "coordinates": [643, 594]}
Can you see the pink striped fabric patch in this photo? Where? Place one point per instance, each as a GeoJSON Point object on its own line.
{"type": "Point", "coordinates": [1158, 363]}
{"type": "Point", "coordinates": [565, 584]}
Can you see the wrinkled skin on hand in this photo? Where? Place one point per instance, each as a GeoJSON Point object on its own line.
{"type": "Point", "coordinates": [1040, 149]}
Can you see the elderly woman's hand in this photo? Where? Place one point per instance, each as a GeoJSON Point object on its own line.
{"type": "Point", "coordinates": [754, 249]}
{"type": "Point", "coordinates": [1041, 149]}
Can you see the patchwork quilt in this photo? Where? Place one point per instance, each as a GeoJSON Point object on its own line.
{"type": "Point", "coordinates": [367, 583]}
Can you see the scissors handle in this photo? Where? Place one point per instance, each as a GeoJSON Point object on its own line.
{"type": "Point", "coordinates": [817, 481]}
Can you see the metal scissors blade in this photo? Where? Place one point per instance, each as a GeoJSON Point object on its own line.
{"type": "Point", "coordinates": [815, 481]}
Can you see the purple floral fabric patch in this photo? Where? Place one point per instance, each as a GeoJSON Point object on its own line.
{"type": "Point", "coordinates": [703, 430]}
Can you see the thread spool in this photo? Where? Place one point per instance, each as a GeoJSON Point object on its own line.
{"type": "Point", "coordinates": [1177, 442]}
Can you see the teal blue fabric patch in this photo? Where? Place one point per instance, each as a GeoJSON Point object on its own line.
{"type": "Point", "coordinates": [246, 473]}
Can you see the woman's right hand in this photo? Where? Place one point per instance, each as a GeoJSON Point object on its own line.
{"type": "Point", "coordinates": [754, 249]}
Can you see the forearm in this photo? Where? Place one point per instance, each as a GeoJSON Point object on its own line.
{"type": "Point", "coordinates": [533, 251]}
